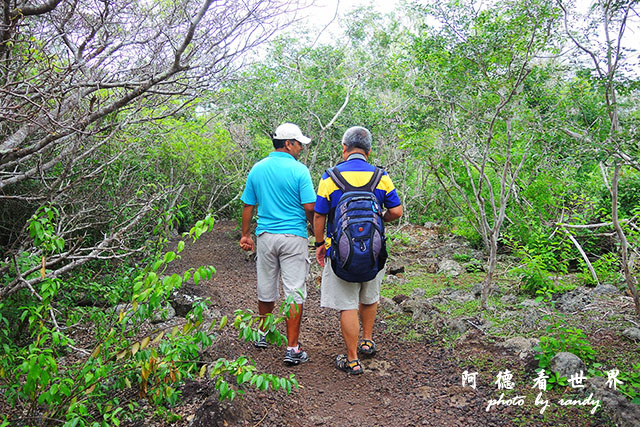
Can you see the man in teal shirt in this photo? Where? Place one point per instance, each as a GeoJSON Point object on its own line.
{"type": "Point", "coordinates": [282, 189]}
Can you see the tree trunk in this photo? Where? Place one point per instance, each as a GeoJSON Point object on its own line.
{"type": "Point", "coordinates": [491, 267]}
{"type": "Point", "coordinates": [624, 244]}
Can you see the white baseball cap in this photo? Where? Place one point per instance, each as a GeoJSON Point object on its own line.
{"type": "Point", "coordinates": [290, 131]}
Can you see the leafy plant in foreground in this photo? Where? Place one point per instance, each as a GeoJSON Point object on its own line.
{"type": "Point", "coordinates": [562, 339]}
{"type": "Point", "coordinates": [630, 386]}
{"type": "Point", "coordinates": [87, 389]}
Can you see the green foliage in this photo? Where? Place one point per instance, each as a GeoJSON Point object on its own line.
{"type": "Point", "coordinates": [389, 290]}
{"type": "Point", "coordinates": [607, 268]}
{"type": "Point", "coordinates": [396, 239]}
{"type": "Point", "coordinates": [463, 228]}
{"type": "Point", "coordinates": [251, 325]}
{"type": "Point", "coordinates": [541, 257]}
{"type": "Point", "coordinates": [461, 257]}
{"type": "Point", "coordinates": [630, 386]}
{"type": "Point", "coordinates": [85, 287]}
{"type": "Point", "coordinates": [562, 339]}
{"type": "Point", "coordinates": [81, 391]}
{"type": "Point", "coordinates": [42, 230]}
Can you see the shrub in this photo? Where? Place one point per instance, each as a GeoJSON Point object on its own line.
{"type": "Point", "coordinates": [83, 390]}
{"type": "Point", "coordinates": [562, 339]}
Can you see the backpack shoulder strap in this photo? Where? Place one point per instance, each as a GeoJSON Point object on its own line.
{"type": "Point", "coordinates": [375, 180]}
{"type": "Point", "coordinates": [339, 180]}
{"type": "Point", "coordinates": [344, 186]}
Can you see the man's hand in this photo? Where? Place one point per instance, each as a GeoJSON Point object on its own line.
{"type": "Point", "coordinates": [321, 252]}
{"type": "Point", "coordinates": [246, 243]}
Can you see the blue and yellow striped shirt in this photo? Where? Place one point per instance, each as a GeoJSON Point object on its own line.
{"type": "Point", "coordinates": [357, 172]}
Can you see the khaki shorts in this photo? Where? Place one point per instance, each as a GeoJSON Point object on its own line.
{"type": "Point", "coordinates": [342, 295]}
{"type": "Point", "coordinates": [282, 258]}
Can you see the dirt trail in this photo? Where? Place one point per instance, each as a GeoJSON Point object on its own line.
{"type": "Point", "coordinates": [408, 383]}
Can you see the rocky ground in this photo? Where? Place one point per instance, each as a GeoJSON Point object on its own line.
{"type": "Point", "coordinates": [429, 331]}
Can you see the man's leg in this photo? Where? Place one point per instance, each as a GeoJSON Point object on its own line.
{"type": "Point", "coordinates": [368, 307]}
{"type": "Point", "coordinates": [294, 265]}
{"type": "Point", "coordinates": [293, 324]}
{"type": "Point", "coordinates": [264, 308]}
{"type": "Point", "coordinates": [268, 271]}
{"type": "Point", "coordinates": [368, 317]}
{"type": "Point", "coordinates": [350, 327]}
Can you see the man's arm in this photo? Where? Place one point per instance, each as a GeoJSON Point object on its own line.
{"type": "Point", "coordinates": [246, 242]}
{"type": "Point", "coordinates": [308, 211]}
{"type": "Point", "coordinates": [319, 222]}
{"type": "Point", "coordinates": [392, 214]}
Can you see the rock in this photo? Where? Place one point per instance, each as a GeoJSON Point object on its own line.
{"type": "Point", "coordinates": [430, 224]}
{"type": "Point", "coordinates": [320, 421]}
{"type": "Point", "coordinates": [632, 334]}
{"type": "Point", "coordinates": [509, 300]}
{"type": "Point", "coordinates": [421, 310]}
{"type": "Point", "coordinates": [449, 267]}
{"type": "Point", "coordinates": [520, 345]}
{"type": "Point", "coordinates": [412, 305]}
{"type": "Point", "coordinates": [392, 280]}
{"type": "Point", "coordinates": [567, 364]}
{"type": "Point", "coordinates": [478, 322]}
{"type": "Point", "coordinates": [477, 289]}
{"type": "Point", "coordinates": [623, 412]}
{"type": "Point", "coordinates": [387, 304]}
{"type": "Point", "coordinates": [420, 317]}
{"type": "Point", "coordinates": [458, 295]}
{"type": "Point", "coordinates": [380, 367]}
{"type": "Point", "coordinates": [605, 290]}
{"type": "Point", "coordinates": [209, 316]}
{"type": "Point", "coordinates": [182, 302]}
{"type": "Point", "coordinates": [128, 312]}
{"type": "Point", "coordinates": [214, 413]}
{"type": "Point", "coordinates": [126, 307]}
{"type": "Point", "coordinates": [397, 270]}
{"type": "Point", "coordinates": [530, 303]}
{"type": "Point", "coordinates": [531, 318]}
{"type": "Point", "coordinates": [163, 314]}
{"type": "Point", "coordinates": [418, 293]}
{"type": "Point", "coordinates": [400, 298]}
{"type": "Point", "coordinates": [457, 325]}
{"type": "Point", "coordinates": [572, 301]}
{"type": "Point", "coordinates": [430, 266]}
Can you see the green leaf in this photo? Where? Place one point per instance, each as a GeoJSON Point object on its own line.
{"type": "Point", "coordinates": [169, 256]}
{"type": "Point", "coordinates": [37, 226]}
{"type": "Point", "coordinates": [223, 322]}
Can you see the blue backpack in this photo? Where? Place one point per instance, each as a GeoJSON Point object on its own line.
{"type": "Point", "coordinates": [358, 248]}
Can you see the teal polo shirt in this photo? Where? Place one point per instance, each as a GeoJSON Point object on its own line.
{"type": "Point", "coordinates": [279, 185]}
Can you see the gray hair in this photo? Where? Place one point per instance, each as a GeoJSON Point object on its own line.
{"type": "Point", "coordinates": [357, 137]}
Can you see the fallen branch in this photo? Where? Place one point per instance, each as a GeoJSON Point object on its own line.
{"type": "Point", "coordinates": [583, 254]}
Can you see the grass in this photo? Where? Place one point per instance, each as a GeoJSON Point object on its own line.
{"type": "Point", "coordinates": [457, 309]}
{"type": "Point", "coordinates": [404, 325]}
{"type": "Point", "coordinates": [433, 284]}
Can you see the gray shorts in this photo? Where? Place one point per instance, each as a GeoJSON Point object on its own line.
{"type": "Point", "coordinates": [342, 295]}
{"type": "Point", "coordinates": [282, 257]}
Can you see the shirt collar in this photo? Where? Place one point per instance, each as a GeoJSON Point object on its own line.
{"type": "Point", "coordinates": [357, 156]}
